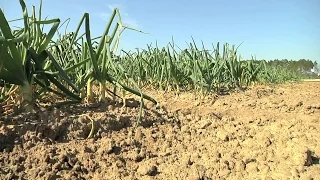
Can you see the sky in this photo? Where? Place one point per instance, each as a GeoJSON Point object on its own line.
{"type": "Point", "coordinates": [267, 29]}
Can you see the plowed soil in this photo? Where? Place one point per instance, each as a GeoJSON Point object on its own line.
{"type": "Point", "coordinates": [262, 133]}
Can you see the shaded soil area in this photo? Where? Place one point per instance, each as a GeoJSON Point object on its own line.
{"type": "Point", "coordinates": [261, 133]}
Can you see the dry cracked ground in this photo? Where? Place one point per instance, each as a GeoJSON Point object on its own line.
{"type": "Point", "coordinates": [261, 133]}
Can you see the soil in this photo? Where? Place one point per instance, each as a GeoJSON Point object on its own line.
{"type": "Point", "coordinates": [262, 133]}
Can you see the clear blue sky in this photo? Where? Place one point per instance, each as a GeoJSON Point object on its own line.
{"type": "Point", "coordinates": [270, 29]}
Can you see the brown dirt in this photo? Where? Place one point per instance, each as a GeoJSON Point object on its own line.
{"type": "Point", "coordinates": [262, 133]}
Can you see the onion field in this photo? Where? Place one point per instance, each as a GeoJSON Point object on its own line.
{"type": "Point", "coordinates": [74, 106]}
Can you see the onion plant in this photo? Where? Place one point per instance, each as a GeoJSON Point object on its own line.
{"type": "Point", "coordinates": [25, 59]}
{"type": "Point", "coordinates": [199, 69]}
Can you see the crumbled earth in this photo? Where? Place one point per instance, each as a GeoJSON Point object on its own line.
{"type": "Point", "coordinates": [260, 133]}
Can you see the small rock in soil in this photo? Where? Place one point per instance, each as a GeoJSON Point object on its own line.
{"type": "Point", "coordinates": [138, 135]}
{"type": "Point", "coordinates": [204, 124]}
{"type": "Point", "coordinates": [147, 169]}
{"type": "Point", "coordinates": [222, 135]}
{"type": "Point", "coordinates": [185, 128]}
{"type": "Point", "coordinates": [302, 157]}
{"type": "Point", "coordinates": [251, 167]}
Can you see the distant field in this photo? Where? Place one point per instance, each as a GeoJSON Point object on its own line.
{"type": "Point", "coordinates": [311, 80]}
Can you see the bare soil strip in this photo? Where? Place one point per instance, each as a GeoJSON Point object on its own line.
{"type": "Point", "coordinates": [262, 133]}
